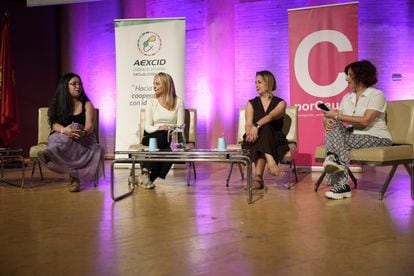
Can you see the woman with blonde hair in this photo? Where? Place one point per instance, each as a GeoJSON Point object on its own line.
{"type": "Point", "coordinates": [162, 112]}
{"type": "Point", "coordinates": [264, 138]}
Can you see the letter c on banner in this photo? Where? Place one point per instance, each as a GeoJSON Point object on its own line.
{"type": "Point", "coordinates": [301, 64]}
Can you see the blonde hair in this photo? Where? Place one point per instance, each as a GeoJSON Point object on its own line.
{"type": "Point", "coordinates": [169, 89]}
{"type": "Point", "coordinates": [269, 78]}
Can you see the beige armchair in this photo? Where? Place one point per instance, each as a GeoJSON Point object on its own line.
{"type": "Point", "coordinates": [42, 140]}
{"type": "Point", "coordinates": [190, 120]}
{"type": "Point", "coordinates": [290, 129]}
{"type": "Point", "coordinates": [400, 122]}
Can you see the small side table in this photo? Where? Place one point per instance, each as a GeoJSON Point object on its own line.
{"type": "Point", "coordinates": [8, 155]}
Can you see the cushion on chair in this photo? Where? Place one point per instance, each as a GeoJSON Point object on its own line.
{"type": "Point", "coordinates": [377, 154]}
{"type": "Point", "coordinates": [43, 126]}
{"type": "Point", "coordinates": [138, 147]}
{"type": "Point", "coordinates": [191, 125]}
{"type": "Point", "coordinates": [234, 147]}
{"type": "Point", "coordinates": [42, 134]}
{"type": "Point", "coordinates": [383, 154]}
{"type": "Point", "coordinates": [320, 152]}
{"type": "Point", "coordinates": [292, 153]}
{"type": "Point", "coordinates": [35, 149]}
{"type": "Point", "coordinates": [400, 121]}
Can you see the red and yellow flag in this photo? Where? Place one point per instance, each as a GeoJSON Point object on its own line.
{"type": "Point", "coordinates": [9, 117]}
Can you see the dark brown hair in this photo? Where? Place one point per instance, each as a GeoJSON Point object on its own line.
{"type": "Point", "coordinates": [364, 72]}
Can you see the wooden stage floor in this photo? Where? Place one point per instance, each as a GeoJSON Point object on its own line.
{"type": "Point", "coordinates": [206, 229]}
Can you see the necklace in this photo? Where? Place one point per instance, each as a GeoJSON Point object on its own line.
{"type": "Point", "coordinates": [265, 102]}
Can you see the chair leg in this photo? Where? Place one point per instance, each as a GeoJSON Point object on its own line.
{"type": "Point", "coordinates": [241, 171]}
{"type": "Point", "coordinates": [352, 176]}
{"type": "Point", "coordinates": [292, 168]}
{"type": "Point", "coordinates": [23, 169]}
{"type": "Point", "coordinates": [410, 171]}
{"type": "Point", "coordinates": [318, 183]}
{"type": "Point", "coordinates": [188, 164]}
{"type": "Point", "coordinates": [191, 167]}
{"type": "Point", "coordinates": [194, 170]}
{"type": "Point", "coordinates": [35, 163]}
{"type": "Point", "coordinates": [412, 180]}
{"type": "Point", "coordinates": [40, 170]}
{"type": "Point", "coordinates": [296, 172]}
{"type": "Point", "coordinates": [290, 176]}
{"type": "Point", "coordinates": [229, 175]}
{"type": "Point", "coordinates": [387, 181]}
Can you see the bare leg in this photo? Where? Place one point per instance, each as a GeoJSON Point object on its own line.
{"type": "Point", "coordinates": [260, 165]}
{"type": "Point", "coordinates": [274, 169]}
{"type": "Point", "coordinates": [259, 168]}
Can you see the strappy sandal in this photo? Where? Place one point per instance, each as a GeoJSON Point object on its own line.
{"type": "Point", "coordinates": [256, 185]}
{"type": "Point", "coordinates": [75, 185]}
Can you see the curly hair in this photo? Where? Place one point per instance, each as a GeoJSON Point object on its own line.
{"type": "Point", "coordinates": [364, 72]}
{"type": "Point", "coordinates": [61, 107]}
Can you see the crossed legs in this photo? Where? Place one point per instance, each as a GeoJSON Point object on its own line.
{"type": "Point", "coordinates": [259, 167]}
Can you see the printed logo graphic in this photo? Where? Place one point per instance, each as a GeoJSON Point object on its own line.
{"type": "Point", "coordinates": [149, 43]}
{"type": "Point", "coordinates": [302, 73]}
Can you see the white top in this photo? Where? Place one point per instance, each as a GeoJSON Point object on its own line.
{"type": "Point", "coordinates": [156, 115]}
{"type": "Point", "coordinates": [374, 99]}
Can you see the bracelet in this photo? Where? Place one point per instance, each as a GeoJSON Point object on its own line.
{"type": "Point", "coordinates": [336, 116]}
{"type": "Point", "coordinates": [61, 130]}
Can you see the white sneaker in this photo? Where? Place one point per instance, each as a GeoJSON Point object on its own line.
{"type": "Point", "coordinates": [144, 181]}
{"type": "Point", "coordinates": [339, 192]}
{"type": "Point", "coordinates": [332, 164]}
{"type": "Point", "coordinates": [130, 180]}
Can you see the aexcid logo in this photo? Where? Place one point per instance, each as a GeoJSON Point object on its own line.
{"type": "Point", "coordinates": [149, 43]}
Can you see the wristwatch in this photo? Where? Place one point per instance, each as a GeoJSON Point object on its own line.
{"type": "Point", "coordinates": [256, 125]}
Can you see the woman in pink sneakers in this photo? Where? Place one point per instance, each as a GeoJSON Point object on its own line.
{"type": "Point", "coordinates": [359, 123]}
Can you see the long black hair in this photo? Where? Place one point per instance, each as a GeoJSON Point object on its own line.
{"type": "Point", "coordinates": [61, 106]}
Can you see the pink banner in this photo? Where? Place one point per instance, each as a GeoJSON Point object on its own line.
{"type": "Point", "coordinates": [322, 41]}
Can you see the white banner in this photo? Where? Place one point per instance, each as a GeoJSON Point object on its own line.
{"type": "Point", "coordinates": [144, 47]}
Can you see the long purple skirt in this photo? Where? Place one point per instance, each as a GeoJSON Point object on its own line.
{"type": "Point", "coordinates": [83, 158]}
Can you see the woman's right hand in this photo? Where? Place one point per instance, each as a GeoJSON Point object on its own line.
{"type": "Point", "coordinates": [164, 127]}
{"type": "Point", "coordinates": [252, 135]}
{"type": "Point", "coordinates": [71, 132]}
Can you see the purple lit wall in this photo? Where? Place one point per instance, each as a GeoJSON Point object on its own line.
{"type": "Point", "coordinates": [226, 44]}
